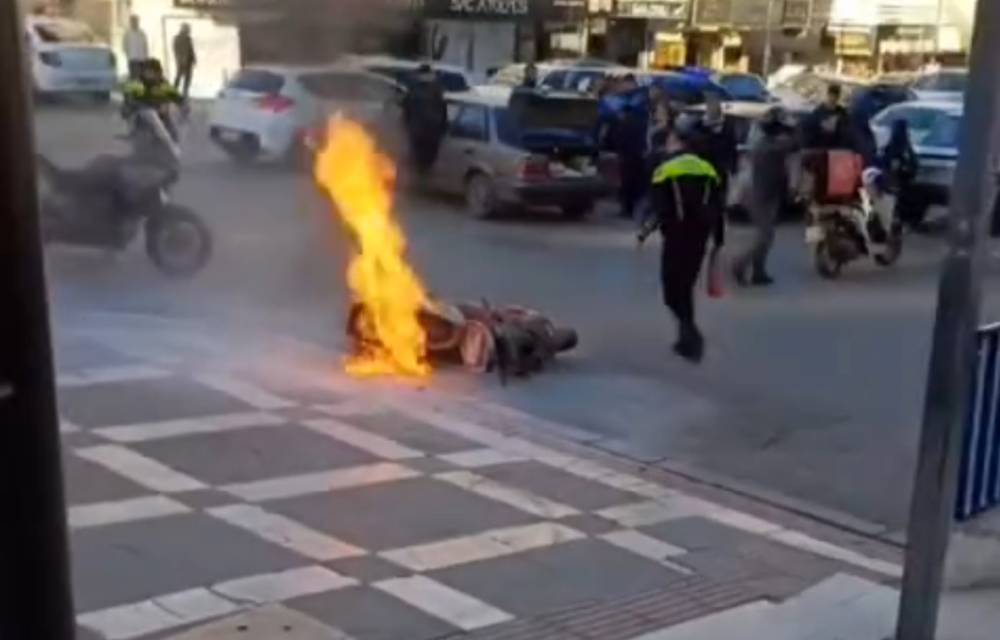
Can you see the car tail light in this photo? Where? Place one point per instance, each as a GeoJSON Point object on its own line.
{"type": "Point", "coordinates": [610, 169]}
{"type": "Point", "coordinates": [275, 103]}
{"type": "Point", "coordinates": [534, 168]}
{"type": "Point", "coordinates": [50, 58]}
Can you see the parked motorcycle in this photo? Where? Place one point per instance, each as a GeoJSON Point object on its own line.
{"type": "Point", "coordinates": [107, 202]}
{"type": "Point", "coordinates": [842, 233]}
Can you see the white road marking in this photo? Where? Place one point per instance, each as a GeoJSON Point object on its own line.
{"type": "Point", "coordinates": [139, 469]}
{"type": "Point", "coordinates": [441, 601]}
{"type": "Point", "coordinates": [643, 545]}
{"type": "Point", "coordinates": [352, 407]}
{"type": "Point", "coordinates": [245, 391]}
{"type": "Point", "coordinates": [284, 585]}
{"type": "Point", "coordinates": [286, 532]}
{"type": "Point", "coordinates": [478, 458]}
{"type": "Point", "coordinates": [745, 522]}
{"type": "Point", "coordinates": [641, 514]}
{"type": "Point", "coordinates": [807, 543]}
{"type": "Point", "coordinates": [112, 512]}
{"type": "Point", "coordinates": [105, 375]}
{"type": "Point", "coordinates": [189, 426]}
{"type": "Point", "coordinates": [65, 426]}
{"type": "Point", "coordinates": [158, 614]}
{"type": "Point", "coordinates": [494, 543]}
{"type": "Point", "coordinates": [511, 496]}
{"type": "Point", "coordinates": [380, 446]}
{"type": "Point", "coordinates": [305, 484]}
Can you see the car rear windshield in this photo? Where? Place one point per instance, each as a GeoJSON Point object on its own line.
{"type": "Point", "coordinates": [451, 81]}
{"type": "Point", "coordinates": [257, 81]}
{"type": "Point", "coordinates": [340, 85]}
{"type": "Point", "coordinates": [573, 117]}
{"type": "Point", "coordinates": [68, 32]}
{"type": "Point", "coordinates": [743, 87]}
{"type": "Point", "coordinates": [951, 82]}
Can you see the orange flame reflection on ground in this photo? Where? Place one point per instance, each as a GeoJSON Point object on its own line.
{"type": "Point", "coordinates": [360, 181]}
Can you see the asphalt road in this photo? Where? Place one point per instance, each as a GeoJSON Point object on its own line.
{"type": "Point", "coordinates": [811, 389]}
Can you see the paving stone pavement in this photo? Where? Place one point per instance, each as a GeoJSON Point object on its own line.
{"type": "Point", "coordinates": [199, 491]}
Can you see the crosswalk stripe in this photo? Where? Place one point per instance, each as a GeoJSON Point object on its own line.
{"type": "Point", "coordinates": [189, 426]}
{"type": "Point", "coordinates": [139, 469]}
{"type": "Point", "coordinates": [130, 510]}
{"type": "Point", "coordinates": [375, 444]}
{"type": "Point", "coordinates": [157, 614]}
{"type": "Point", "coordinates": [245, 391]}
{"type": "Point", "coordinates": [286, 532]}
{"type": "Point", "coordinates": [511, 496]}
{"type": "Point", "coordinates": [305, 484]}
{"type": "Point", "coordinates": [441, 601]}
{"type": "Point", "coordinates": [486, 545]}
{"type": "Point", "coordinates": [283, 585]}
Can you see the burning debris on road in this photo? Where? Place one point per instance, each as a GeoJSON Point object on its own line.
{"type": "Point", "coordinates": [395, 326]}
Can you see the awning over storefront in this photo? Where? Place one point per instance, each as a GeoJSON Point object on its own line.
{"type": "Point", "coordinates": [752, 14]}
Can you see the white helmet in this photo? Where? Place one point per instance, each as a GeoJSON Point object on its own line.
{"type": "Point", "coordinates": [871, 176]}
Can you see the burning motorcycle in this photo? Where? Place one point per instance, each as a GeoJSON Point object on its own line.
{"type": "Point", "coordinates": [107, 202]}
{"type": "Point", "coordinates": [865, 226]}
{"type": "Point", "coordinates": [510, 340]}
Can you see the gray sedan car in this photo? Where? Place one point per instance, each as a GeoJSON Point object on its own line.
{"type": "Point", "coordinates": [522, 149]}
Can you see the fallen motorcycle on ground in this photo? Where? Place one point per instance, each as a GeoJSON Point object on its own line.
{"type": "Point", "coordinates": [511, 340]}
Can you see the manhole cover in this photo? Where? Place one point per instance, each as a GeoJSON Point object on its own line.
{"type": "Point", "coordinates": [267, 623]}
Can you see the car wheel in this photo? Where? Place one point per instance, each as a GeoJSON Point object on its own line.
{"type": "Point", "coordinates": [480, 196]}
{"type": "Point", "coordinates": [578, 210]}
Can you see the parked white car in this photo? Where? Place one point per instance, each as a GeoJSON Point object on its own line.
{"type": "Point", "coordinates": [403, 71]}
{"type": "Point", "coordinates": [934, 128]}
{"type": "Point", "coordinates": [66, 57]}
{"type": "Point", "coordinates": [268, 111]}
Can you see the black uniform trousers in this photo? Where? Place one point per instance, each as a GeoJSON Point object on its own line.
{"type": "Point", "coordinates": [683, 252]}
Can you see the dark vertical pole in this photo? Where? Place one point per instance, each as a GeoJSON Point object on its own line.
{"type": "Point", "coordinates": [35, 600]}
{"type": "Point", "coordinates": [953, 352]}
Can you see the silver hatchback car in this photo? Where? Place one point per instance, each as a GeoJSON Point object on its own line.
{"type": "Point", "coordinates": [509, 148]}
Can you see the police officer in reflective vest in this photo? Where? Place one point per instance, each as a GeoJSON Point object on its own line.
{"type": "Point", "coordinates": [687, 202]}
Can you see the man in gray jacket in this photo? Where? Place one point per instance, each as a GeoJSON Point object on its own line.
{"type": "Point", "coordinates": [769, 153]}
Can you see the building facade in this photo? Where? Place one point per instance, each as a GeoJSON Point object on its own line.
{"type": "Point", "coordinates": [891, 35]}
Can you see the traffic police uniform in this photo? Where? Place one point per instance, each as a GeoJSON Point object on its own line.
{"type": "Point", "coordinates": [687, 198]}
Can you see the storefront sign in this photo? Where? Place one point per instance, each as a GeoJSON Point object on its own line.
{"type": "Point", "coordinates": [713, 12]}
{"type": "Point", "coordinates": [854, 43]}
{"type": "Point", "coordinates": [796, 13]}
{"type": "Point", "coordinates": [657, 9]}
{"type": "Point", "coordinates": [506, 9]}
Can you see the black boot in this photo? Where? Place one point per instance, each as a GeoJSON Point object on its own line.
{"type": "Point", "coordinates": [690, 344]}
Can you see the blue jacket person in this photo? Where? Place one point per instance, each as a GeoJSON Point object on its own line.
{"type": "Point", "coordinates": [687, 200]}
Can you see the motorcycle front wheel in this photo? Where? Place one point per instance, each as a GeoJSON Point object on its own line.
{"type": "Point", "coordinates": [177, 241]}
{"type": "Point", "coordinates": [894, 247]}
{"type": "Point", "coordinates": [827, 263]}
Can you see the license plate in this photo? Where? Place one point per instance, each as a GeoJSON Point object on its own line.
{"type": "Point", "coordinates": [815, 234]}
{"type": "Point", "coordinates": [230, 135]}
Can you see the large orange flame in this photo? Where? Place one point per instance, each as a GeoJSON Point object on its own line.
{"type": "Point", "coordinates": [360, 181]}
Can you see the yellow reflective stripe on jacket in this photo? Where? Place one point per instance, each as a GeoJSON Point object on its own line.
{"type": "Point", "coordinates": [686, 165]}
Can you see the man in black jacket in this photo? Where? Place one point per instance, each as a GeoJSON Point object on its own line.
{"type": "Point", "coordinates": [829, 125]}
{"type": "Point", "coordinates": [686, 199]}
{"type": "Point", "coordinates": [715, 141]}
{"type": "Point", "coordinates": [425, 115]}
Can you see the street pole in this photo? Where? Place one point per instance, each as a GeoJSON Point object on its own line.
{"type": "Point", "coordinates": [35, 598]}
{"type": "Point", "coordinates": [953, 350]}
{"type": "Point", "coordinates": [768, 39]}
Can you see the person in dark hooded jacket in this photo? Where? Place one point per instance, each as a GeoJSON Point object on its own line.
{"type": "Point", "coordinates": [715, 141]}
{"type": "Point", "coordinates": [900, 163]}
{"type": "Point", "coordinates": [425, 115]}
{"type": "Point", "coordinates": [829, 125]}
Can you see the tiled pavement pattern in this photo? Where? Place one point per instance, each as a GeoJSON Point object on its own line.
{"type": "Point", "coordinates": [197, 495]}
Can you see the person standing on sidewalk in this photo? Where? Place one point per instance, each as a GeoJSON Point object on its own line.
{"type": "Point", "coordinates": [686, 199]}
{"type": "Point", "coordinates": [769, 188]}
{"type": "Point", "coordinates": [135, 44]}
{"type": "Point", "coordinates": [185, 59]}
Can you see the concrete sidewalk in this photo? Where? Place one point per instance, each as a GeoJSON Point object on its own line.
{"type": "Point", "coordinates": [211, 484]}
